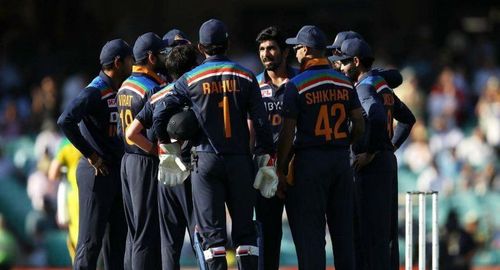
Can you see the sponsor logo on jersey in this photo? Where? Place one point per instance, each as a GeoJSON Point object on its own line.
{"type": "Point", "coordinates": [111, 103]}
{"type": "Point", "coordinates": [266, 92]}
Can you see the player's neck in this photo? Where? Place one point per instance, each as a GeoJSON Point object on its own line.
{"type": "Point", "coordinates": [362, 73]}
{"type": "Point", "coordinates": [280, 75]}
{"type": "Point", "coordinates": [117, 82]}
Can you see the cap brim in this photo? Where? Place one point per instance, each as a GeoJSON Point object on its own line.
{"type": "Point", "coordinates": [335, 58]}
{"type": "Point", "coordinates": [332, 47]}
{"type": "Point", "coordinates": [292, 41]}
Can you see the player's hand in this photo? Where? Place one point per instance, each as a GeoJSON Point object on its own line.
{"type": "Point", "coordinates": [362, 160]}
{"type": "Point", "coordinates": [171, 170]}
{"type": "Point", "coordinates": [98, 163]}
{"type": "Point", "coordinates": [266, 179]}
{"type": "Point", "coordinates": [154, 150]}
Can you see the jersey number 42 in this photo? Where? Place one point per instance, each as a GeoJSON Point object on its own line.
{"type": "Point", "coordinates": [328, 114]}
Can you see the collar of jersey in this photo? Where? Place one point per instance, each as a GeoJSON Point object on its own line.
{"type": "Point", "coordinates": [314, 62]}
{"type": "Point", "coordinates": [145, 70]}
{"type": "Point", "coordinates": [289, 70]}
{"type": "Point", "coordinates": [216, 58]}
{"type": "Point", "coordinates": [364, 77]}
{"type": "Point", "coordinates": [107, 80]}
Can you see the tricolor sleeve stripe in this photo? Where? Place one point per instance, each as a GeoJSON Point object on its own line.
{"type": "Point", "coordinates": [320, 79]}
{"type": "Point", "coordinates": [160, 94]}
{"type": "Point", "coordinates": [105, 93]}
{"type": "Point", "coordinates": [135, 87]}
{"type": "Point", "coordinates": [218, 71]}
{"type": "Point", "coordinates": [380, 85]}
{"type": "Point", "coordinates": [321, 82]}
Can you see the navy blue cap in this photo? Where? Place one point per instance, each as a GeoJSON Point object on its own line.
{"type": "Point", "coordinates": [213, 32]}
{"type": "Point", "coordinates": [341, 36]}
{"type": "Point", "coordinates": [310, 36]}
{"type": "Point", "coordinates": [353, 47]}
{"type": "Point", "coordinates": [112, 49]}
{"type": "Point", "coordinates": [174, 34]}
{"type": "Point", "coordinates": [147, 42]}
{"type": "Point", "coordinates": [171, 43]}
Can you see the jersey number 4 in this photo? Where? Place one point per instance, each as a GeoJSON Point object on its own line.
{"type": "Point", "coordinates": [323, 122]}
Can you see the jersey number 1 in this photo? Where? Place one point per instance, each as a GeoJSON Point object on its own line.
{"type": "Point", "coordinates": [323, 128]}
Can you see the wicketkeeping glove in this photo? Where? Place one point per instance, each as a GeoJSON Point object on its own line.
{"type": "Point", "coordinates": [171, 170]}
{"type": "Point", "coordinates": [266, 180]}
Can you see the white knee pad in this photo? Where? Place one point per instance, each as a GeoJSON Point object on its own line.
{"type": "Point", "coordinates": [247, 250]}
{"type": "Point", "coordinates": [214, 253]}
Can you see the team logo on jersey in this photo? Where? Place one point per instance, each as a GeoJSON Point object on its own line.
{"type": "Point", "coordinates": [111, 103]}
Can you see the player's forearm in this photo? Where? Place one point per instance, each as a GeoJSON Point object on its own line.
{"type": "Point", "coordinates": [71, 130]}
{"type": "Point", "coordinates": [401, 133]}
{"type": "Point", "coordinates": [252, 135]}
{"type": "Point", "coordinates": [134, 135]}
{"type": "Point", "coordinates": [358, 125]}
{"type": "Point", "coordinates": [285, 143]}
{"type": "Point", "coordinates": [160, 122]}
{"type": "Point", "coordinates": [406, 120]}
{"type": "Point", "coordinates": [72, 115]}
{"type": "Point", "coordinates": [54, 170]}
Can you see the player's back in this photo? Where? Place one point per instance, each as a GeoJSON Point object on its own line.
{"type": "Point", "coordinates": [323, 101]}
{"type": "Point", "coordinates": [386, 96]}
{"type": "Point", "coordinates": [98, 127]}
{"type": "Point", "coordinates": [131, 97]}
{"type": "Point", "coordinates": [222, 93]}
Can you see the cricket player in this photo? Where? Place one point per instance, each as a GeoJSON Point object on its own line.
{"type": "Point", "coordinates": [273, 53]}
{"type": "Point", "coordinates": [90, 124]}
{"type": "Point", "coordinates": [375, 164]}
{"type": "Point", "coordinates": [392, 76]}
{"type": "Point", "coordinates": [318, 105]}
{"type": "Point", "coordinates": [175, 203]}
{"type": "Point", "coordinates": [139, 167]}
{"type": "Point", "coordinates": [223, 95]}
{"type": "Point", "coordinates": [68, 156]}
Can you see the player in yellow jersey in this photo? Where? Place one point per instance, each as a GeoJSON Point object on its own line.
{"type": "Point", "coordinates": [68, 156]}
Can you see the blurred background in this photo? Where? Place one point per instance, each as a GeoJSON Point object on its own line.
{"type": "Point", "coordinates": [448, 52]}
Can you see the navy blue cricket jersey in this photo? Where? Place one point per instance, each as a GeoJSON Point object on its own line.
{"type": "Point", "coordinates": [392, 76]}
{"type": "Point", "coordinates": [145, 116]}
{"type": "Point", "coordinates": [90, 121]}
{"type": "Point", "coordinates": [394, 109]}
{"type": "Point", "coordinates": [320, 99]}
{"type": "Point", "coordinates": [222, 95]}
{"type": "Point", "coordinates": [131, 98]}
{"type": "Point", "coordinates": [272, 96]}
{"type": "Point", "coordinates": [378, 130]}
